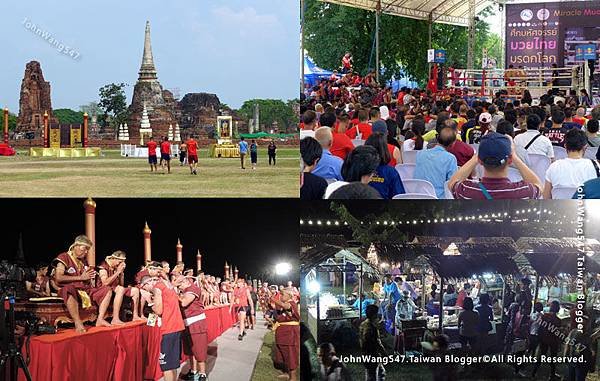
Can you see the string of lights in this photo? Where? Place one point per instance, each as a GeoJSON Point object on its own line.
{"type": "Point", "coordinates": [517, 216]}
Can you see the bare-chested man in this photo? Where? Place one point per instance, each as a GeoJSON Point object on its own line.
{"type": "Point", "coordinates": [75, 280]}
{"type": "Point", "coordinates": [112, 274]}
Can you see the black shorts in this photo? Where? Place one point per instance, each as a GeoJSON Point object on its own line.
{"type": "Point", "coordinates": [245, 309]}
{"type": "Point", "coordinates": [253, 157]}
{"type": "Point", "coordinates": [165, 156]}
{"type": "Point", "coordinates": [182, 156]}
{"type": "Point", "coordinates": [152, 159]}
{"type": "Point", "coordinates": [170, 351]}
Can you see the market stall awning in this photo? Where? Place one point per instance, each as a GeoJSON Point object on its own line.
{"type": "Point", "coordinates": [545, 264]}
{"type": "Point", "coordinates": [454, 12]}
{"type": "Point", "coordinates": [546, 245]}
{"type": "Point", "coordinates": [315, 256]}
{"type": "Point", "coordinates": [464, 266]}
{"type": "Point", "coordinates": [314, 240]}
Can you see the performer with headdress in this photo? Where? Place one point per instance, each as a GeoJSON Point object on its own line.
{"type": "Point", "coordinates": [75, 278]}
{"type": "Point", "coordinates": [111, 273]}
{"type": "Point", "coordinates": [287, 333]}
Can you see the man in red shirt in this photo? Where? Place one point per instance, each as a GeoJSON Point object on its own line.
{"type": "Point", "coordinates": [341, 145]}
{"type": "Point", "coordinates": [242, 302]}
{"type": "Point", "coordinates": [165, 154]}
{"type": "Point", "coordinates": [152, 154]}
{"type": "Point", "coordinates": [74, 277]}
{"type": "Point", "coordinates": [166, 305]}
{"type": "Point", "coordinates": [346, 63]}
{"type": "Point", "coordinates": [496, 153]}
{"type": "Point", "coordinates": [195, 337]}
{"type": "Point", "coordinates": [461, 150]}
{"type": "Point", "coordinates": [192, 147]}
{"type": "Point", "coordinates": [111, 273]}
{"type": "Point", "coordinates": [363, 127]}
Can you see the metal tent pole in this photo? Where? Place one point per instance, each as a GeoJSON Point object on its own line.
{"type": "Point", "coordinates": [360, 292]}
{"type": "Point", "coordinates": [430, 30]}
{"type": "Point", "coordinates": [471, 37]}
{"type": "Point", "coordinates": [302, 45]}
{"type": "Point", "coordinates": [441, 313]}
{"type": "Point", "coordinates": [377, 16]}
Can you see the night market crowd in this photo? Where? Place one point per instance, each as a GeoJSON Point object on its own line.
{"type": "Point", "coordinates": [532, 329]}
{"type": "Point", "coordinates": [174, 299]}
{"type": "Point", "coordinates": [361, 140]}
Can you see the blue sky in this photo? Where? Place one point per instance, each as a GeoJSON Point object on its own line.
{"type": "Point", "coordinates": [236, 49]}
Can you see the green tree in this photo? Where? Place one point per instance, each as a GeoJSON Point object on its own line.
{"type": "Point", "coordinates": [271, 110]}
{"type": "Point", "coordinates": [113, 104]}
{"type": "Point", "coordinates": [12, 121]}
{"type": "Point", "coordinates": [332, 30]}
{"type": "Point", "coordinates": [68, 116]}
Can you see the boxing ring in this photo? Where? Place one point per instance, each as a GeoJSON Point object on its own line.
{"type": "Point", "coordinates": [484, 83]}
{"type": "Point", "coordinates": [127, 352]}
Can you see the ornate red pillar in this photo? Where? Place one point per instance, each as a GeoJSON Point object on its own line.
{"type": "Point", "coordinates": [90, 229]}
{"type": "Point", "coordinates": [46, 131]}
{"type": "Point", "coordinates": [226, 270]}
{"type": "Point", "coordinates": [179, 249]}
{"type": "Point", "coordinates": [6, 125]}
{"type": "Point", "coordinates": [147, 244]}
{"type": "Point", "coordinates": [85, 130]}
{"type": "Point", "coordinates": [198, 262]}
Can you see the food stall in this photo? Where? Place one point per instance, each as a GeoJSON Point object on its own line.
{"type": "Point", "coordinates": [329, 275]}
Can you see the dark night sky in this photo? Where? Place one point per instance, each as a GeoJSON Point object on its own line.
{"type": "Point", "coordinates": [254, 234]}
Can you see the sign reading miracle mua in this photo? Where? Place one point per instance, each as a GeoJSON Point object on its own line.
{"type": "Point", "coordinates": [541, 34]}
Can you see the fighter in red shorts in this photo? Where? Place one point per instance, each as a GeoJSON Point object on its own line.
{"type": "Point", "coordinates": [192, 154]}
{"type": "Point", "coordinates": [242, 302]}
{"type": "Point", "coordinates": [195, 336]}
{"type": "Point", "coordinates": [287, 334]}
{"type": "Point", "coordinates": [75, 280]}
{"type": "Point", "coordinates": [111, 274]}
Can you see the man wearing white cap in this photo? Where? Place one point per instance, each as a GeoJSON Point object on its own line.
{"type": "Point", "coordinates": [475, 134]}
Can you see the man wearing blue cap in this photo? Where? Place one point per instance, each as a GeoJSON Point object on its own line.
{"type": "Point", "coordinates": [496, 153]}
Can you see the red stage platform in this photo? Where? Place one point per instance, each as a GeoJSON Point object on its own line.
{"type": "Point", "coordinates": [128, 352]}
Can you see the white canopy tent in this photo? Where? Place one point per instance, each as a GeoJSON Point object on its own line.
{"type": "Point", "coordinates": [454, 12]}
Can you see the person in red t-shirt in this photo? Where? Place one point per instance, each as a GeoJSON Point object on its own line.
{"type": "Point", "coordinates": [195, 337]}
{"type": "Point", "coordinates": [192, 147]}
{"type": "Point", "coordinates": [166, 305]}
{"type": "Point", "coordinates": [342, 145]}
{"type": "Point", "coordinates": [242, 302]}
{"type": "Point", "coordinates": [165, 154]}
{"type": "Point", "coordinates": [152, 154]}
{"type": "Point", "coordinates": [363, 127]}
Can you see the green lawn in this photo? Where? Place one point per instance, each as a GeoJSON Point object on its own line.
{"type": "Point", "coordinates": [114, 176]}
{"type": "Point", "coordinates": [263, 368]}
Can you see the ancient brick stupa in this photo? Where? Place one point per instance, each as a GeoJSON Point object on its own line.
{"type": "Point", "coordinates": [160, 103]}
{"type": "Point", "coordinates": [34, 99]}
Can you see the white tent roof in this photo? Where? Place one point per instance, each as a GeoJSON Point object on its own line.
{"type": "Point", "coordinates": [455, 12]}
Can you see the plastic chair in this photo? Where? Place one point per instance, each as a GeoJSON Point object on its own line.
{"type": "Point", "coordinates": [406, 171]}
{"type": "Point", "coordinates": [559, 152]}
{"type": "Point", "coordinates": [447, 193]}
{"type": "Point", "coordinates": [563, 193]}
{"type": "Point", "coordinates": [358, 142]}
{"type": "Point", "coordinates": [514, 175]}
{"type": "Point", "coordinates": [590, 153]}
{"type": "Point", "coordinates": [409, 157]}
{"type": "Point", "coordinates": [539, 165]}
{"type": "Point", "coordinates": [419, 187]}
{"type": "Point", "coordinates": [414, 196]}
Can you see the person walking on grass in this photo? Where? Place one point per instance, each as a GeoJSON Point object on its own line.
{"type": "Point", "coordinates": [253, 153]}
{"type": "Point", "coordinates": [192, 150]}
{"type": "Point", "coordinates": [243, 151]}
{"type": "Point", "coordinates": [152, 155]}
{"type": "Point", "coordinates": [182, 154]}
{"type": "Point", "coordinates": [165, 154]}
{"type": "Point", "coordinates": [272, 150]}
